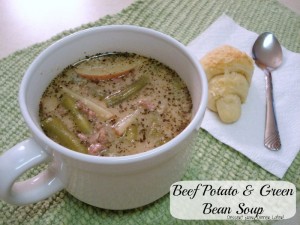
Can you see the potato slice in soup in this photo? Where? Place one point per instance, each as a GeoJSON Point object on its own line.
{"type": "Point", "coordinates": [104, 71]}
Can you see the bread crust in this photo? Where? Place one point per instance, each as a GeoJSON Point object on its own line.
{"type": "Point", "coordinates": [229, 59]}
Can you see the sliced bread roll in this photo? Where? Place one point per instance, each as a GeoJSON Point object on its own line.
{"type": "Point", "coordinates": [229, 72]}
{"type": "Point", "coordinates": [227, 84]}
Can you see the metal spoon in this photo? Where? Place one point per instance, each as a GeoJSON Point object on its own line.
{"type": "Point", "coordinates": [267, 54]}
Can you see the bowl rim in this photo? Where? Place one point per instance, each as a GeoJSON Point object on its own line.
{"type": "Point", "coordinates": [38, 133]}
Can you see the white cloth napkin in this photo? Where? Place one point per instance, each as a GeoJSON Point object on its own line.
{"type": "Point", "coordinates": [247, 134]}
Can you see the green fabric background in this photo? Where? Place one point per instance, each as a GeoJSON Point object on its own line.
{"type": "Point", "coordinates": [212, 160]}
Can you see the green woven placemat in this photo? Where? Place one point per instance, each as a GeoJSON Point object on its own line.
{"type": "Point", "coordinates": [212, 160]}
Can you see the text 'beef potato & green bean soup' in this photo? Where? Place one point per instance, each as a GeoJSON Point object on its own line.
{"type": "Point", "coordinates": [115, 104]}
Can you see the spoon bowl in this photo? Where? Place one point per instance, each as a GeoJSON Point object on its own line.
{"type": "Point", "coordinates": [267, 50]}
{"type": "Point", "coordinates": [267, 53]}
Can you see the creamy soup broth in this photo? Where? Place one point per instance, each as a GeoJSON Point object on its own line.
{"type": "Point", "coordinates": [135, 105]}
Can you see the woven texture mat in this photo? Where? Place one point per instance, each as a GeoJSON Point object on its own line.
{"type": "Point", "coordinates": [212, 160]}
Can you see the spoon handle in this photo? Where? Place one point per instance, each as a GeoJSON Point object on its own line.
{"type": "Point", "coordinates": [272, 138]}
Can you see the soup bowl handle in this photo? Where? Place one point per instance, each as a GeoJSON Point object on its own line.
{"type": "Point", "coordinates": [15, 162]}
